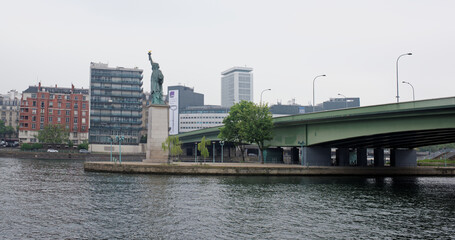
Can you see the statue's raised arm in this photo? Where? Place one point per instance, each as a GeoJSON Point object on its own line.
{"type": "Point", "coordinates": [150, 57]}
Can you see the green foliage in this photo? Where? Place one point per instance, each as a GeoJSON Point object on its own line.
{"type": "Point", "coordinates": [53, 134]}
{"type": "Point", "coordinates": [83, 145]}
{"type": "Point", "coordinates": [247, 123]}
{"type": "Point", "coordinates": [202, 147]}
{"type": "Point", "coordinates": [174, 146]}
{"type": "Point", "coordinates": [143, 139]}
{"type": "Point", "coordinates": [28, 146]}
{"type": "Point", "coordinates": [6, 130]}
{"type": "Point", "coordinates": [70, 144]}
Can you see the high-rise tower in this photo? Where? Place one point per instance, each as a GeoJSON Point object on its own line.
{"type": "Point", "coordinates": [236, 85]}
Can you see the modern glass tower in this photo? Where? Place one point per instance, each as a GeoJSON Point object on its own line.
{"type": "Point", "coordinates": [236, 85]}
{"type": "Point", "coordinates": [115, 104]}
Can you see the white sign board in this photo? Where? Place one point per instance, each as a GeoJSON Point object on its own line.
{"type": "Point", "coordinates": [173, 111]}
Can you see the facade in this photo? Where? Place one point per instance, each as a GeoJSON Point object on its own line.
{"type": "Point", "coordinates": [338, 103]}
{"type": "Point", "coordinates": [199, 117]}
{"type": "Point", "coordinates": [115, 104]}
{"type": "Point", "coordinates": [41, 106]}
{"type": "Point", "coordinates": [236, 85]}
{"type": "Point", "coordinates": [146, 101]}
{"type": "Point", "coordinates": [180, 98]}
{"type": "Point", "coordinates": [9, 108]}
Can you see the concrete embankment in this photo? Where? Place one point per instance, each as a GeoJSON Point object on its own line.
{"type": "Point", "coordinates": [262, 169]}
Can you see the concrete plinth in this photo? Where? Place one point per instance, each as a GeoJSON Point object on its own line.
{"type": "Point", "coordinates": [379, 157]}
{"type": "Point", "coordinates": [403, 158]}
{"type": "Point", "coordinates": [157, 132]}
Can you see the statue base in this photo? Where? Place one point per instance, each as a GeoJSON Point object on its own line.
{"type": "Point", "coordinates": [157, 132]}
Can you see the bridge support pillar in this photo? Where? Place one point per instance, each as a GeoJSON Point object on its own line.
{"type": "Point", "coordinates": [403, 158]}
{"type": "Point", "coordinates": [294, 155]}
{"type": "Point", "coordinates": [317, 156]}
{"type": "Point", "coordinates": [379, 157]}
{"type": "Point", "coordinates": [342, 155]}
{"type": "Point", "coordinates": [362, 157]}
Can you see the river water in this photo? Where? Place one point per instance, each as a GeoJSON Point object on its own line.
{"type": "Point", "coordinates": [56, 199]}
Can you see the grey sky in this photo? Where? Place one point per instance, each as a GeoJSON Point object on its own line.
{"type": "Point", "coordinates": [287, 43]}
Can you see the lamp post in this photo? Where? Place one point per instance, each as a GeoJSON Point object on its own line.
{"type": "Point", "coordinates": [398, 95]}
{"type": "Point", "coordinates": [345, 101]}
{"type": "Point", "coordinates": [323, 75]}
{"type": "Point", "coordinates": [268, 89]}
{"type": "Point", "coordinates": [195, 152]}
{"type": "Point", "coordinates": [213, 151]}
{"type": "Point", "coordinates": [413, 94]}
{"type": "Point", "coordinates": [222, 145]}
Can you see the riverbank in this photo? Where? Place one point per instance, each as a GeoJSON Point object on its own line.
{"type": "Point", "coordinates": [261, 169]}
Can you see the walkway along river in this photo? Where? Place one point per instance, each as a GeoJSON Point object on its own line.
{"type": "Point", "coordinates": [56, 199]}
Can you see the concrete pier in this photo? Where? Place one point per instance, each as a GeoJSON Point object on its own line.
{"type": "Point", "coordinates": [262, 169]}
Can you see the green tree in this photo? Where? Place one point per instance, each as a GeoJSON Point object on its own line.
{"type": "Point", "coordinates": [247, 123]}
{"type": "Point", "coordinates": [2, 128]}
{"type": "Point", "coordinates": [202, 147]}
{"type": "Point", "coordinates": [173, 145]}
{"type": "Point", "coordinates": [258, 127]}
{"type": "Point", "coordinates": [9, 131]}
{"type": "Point", "coordinates": [54, 134]}
{"type": "Point", "coordinates": [83, 145]}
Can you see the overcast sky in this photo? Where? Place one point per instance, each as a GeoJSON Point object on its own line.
{"type": "Point", "coordinates": [287, 43]}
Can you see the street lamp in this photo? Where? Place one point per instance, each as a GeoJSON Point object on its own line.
{"type": "Point", "coordinates": [323, 75]}
{"type": "Point", "coordinates": [345, 101]}
{"type": "Point", "coordinates": [268, 89]}
{"type": "Point", "coordinates": [413, 94]}
{"type": "Point", "coordinates": [398, 95]}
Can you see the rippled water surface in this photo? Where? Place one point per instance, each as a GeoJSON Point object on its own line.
{"type": "Point", "coordinates": [56, 199]}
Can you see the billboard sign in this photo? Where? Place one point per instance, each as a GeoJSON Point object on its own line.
{"type": "Point", "coordinates": [173, 111]}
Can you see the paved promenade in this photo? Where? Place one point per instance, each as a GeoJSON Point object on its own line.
{"type": "Point", "coordinates": [186, 168]}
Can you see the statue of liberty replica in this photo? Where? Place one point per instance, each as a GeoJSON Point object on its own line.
{"type": "Point", "coordinates": [158, 118]}
{"type": "Point", "coordinates": [156, 81]}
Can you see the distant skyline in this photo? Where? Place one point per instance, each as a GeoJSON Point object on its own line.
{"type": "Point", "coordinates": [287, 43]}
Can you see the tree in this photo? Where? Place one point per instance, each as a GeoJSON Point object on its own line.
{"type": "Point", "coordinates": [247, 123]}
{"type": "Point", "coordinates": [233, 125]}
{"type": "Point", "coordinates": [54, 134]}
{"type": "Point", "coordinates": [258, 127]}
{"type": "Point", "coordinates": [83, 145]}
{"type": "Point", "coordinates": [2, 128]}
{"type": "Point", "coordinates": [202, 147]}
{"type": "Point", "coordinates": [174, 146]}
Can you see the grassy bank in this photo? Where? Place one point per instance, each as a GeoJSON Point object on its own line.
{"type": "Point", "coordinates": [435, 162]}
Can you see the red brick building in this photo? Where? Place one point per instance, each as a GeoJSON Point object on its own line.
{"type": "Point", "coordinates": [41, 106]}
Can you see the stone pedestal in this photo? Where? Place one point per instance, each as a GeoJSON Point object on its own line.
{"type": "Point", "coordinates": [157, 132]}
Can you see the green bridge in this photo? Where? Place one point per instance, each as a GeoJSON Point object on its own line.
{"type": "Point", "coordinates": [399, 127]}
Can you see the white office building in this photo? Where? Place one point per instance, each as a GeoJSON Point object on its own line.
{"type": "Point", "coordinates": [199, 117]}
{"type": "Point", "coordinates": [236, 85]}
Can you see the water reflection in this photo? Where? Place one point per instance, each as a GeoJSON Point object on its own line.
{"type": "Point", "coordinates": [56, 199]}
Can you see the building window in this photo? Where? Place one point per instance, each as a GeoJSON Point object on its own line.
{"type": "Point", "coordinates": [34, 103]}
{"type": "Point", "coordinates": [59, 104]}
{"type": "Point", "coordinates": [59, 97]}
{"type": "Point", "coordinates": [67, 112]}
{"type": "Point", "coordinates": [75, 120]}
{"type": "Point", "coordinates": [51, 111]}
{"type": "Point", "coordinates": [83, 128]}
{"type": "Point", "coordinates": [42, 111]}
{"type": "Point", "coordinates": [75, 98]}
{"type": "Point", "coordinates": [33, 126]}
{"type": "Point", "coordinates": [68, 105]}
{"type": "Point", "coordinates": [42, 96]}
{"type": "Point", "coordinates": [84, 113]}
{"type": "Point", "coordinates": [33, 95]}
{"type": "Point", "coordinates": [51, 96]}
{"type": "Point", "coordinates": [34, 111]}
{"type": "Point", "coordinates": [42, 104]}
{"type": "Point", "coordinates": [34, 118]}
{"type": "Point", "coordinates": [75, 134]}
{"type": "Point", "coordinates": [75, 113]}
{"type": "Point", "coordinates": [83, 105]}
{"type": "Point", "coordinates": [50, 119]}
{"type": "Point", "coordinates": [41, 125]}
{"type": "Point", "coordinates": [51, 104]}
{"type": "Point", "coordinates": [59, 112]}
{"type": "Point", "coordinates": [83, 120]}
{"type": "Point", "coordinates": [42, 119]}
{"type": "Point", "coordinates": [75, 105]}
{"type": "Point", "coordinates": [67, 120]}
{"type": "Point", "coordinates": [84, 98]}
{"type": "Point", "coordinates": [68, 97]}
